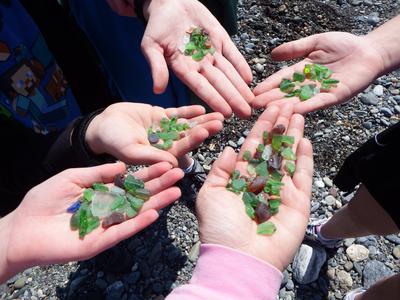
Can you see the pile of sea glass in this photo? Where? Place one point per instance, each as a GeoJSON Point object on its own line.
{"type": "Point", "coordinates": [260, 190]}
{"type": "Point", "coordinates": [108, 205]}
{"type": "Point", "coordinates": [316, 73]}
{"type": "Point", "coordinates": [197, 43]}
{"type": "Point", "coordinates": [170, 130]}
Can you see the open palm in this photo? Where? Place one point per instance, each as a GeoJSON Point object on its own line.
{"type": "Point", "coordinates": [355, 62]}
{"type": "Point", "coordinates": [219, 79]}
{"type": "Point", "coordinates": [121, 130]}
{"type": "Point", "coordinates": [222, 216]}
{"type": "Point", "coordinates": [39, 227]}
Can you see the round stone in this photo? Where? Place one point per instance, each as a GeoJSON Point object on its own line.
{"type": "Point", "coordinates": [259, 68]}
{"type": "Point", "coordinates": [396, 251]}
{"type": "Point", "coordinates": [328, 182]}
{"type": "Point", "coordinates": [378, 90]}
{"type": "Point", "coordinates": [357, 252]}
{"type": "Point", "coordinates": [20, 282]}
{"type": "Point", "coordinates": [330, 200]}
{"type": "Point", "coordinates": [153, 138]}
{"type": "Point", "coordinates": [319, 184]}
{"type": "Point", "coordinates": [344, 279]}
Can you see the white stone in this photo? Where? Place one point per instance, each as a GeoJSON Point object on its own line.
{"type": "Point", "coordinates": [357, 252]}
{"type": "Point", "coordinates": [344, 279]}
{"type": "Point", "coordinates": [330, 200]}
{"type": "Point", "coordinates": [328, 182]}
{"type": "Point", "coordinates": [319, 184]}
{"type": "Point", "coordinates": [378, 90]}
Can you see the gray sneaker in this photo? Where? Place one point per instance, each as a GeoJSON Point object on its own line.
{"type": "Point", "coordinates": [352, 294]}
{"type": "Point", "coordinates": [313, 234]}
{"type": "Point", "coordinates": [192, 182]}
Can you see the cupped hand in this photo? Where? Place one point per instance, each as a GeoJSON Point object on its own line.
{"type": "Point", "coordinates": [222, 216]}
{"type": "Point", "coordinates": [121, 130]}
{"type": "Point", "coordinates": [219, 79]}
{"type": "Point", "coordinates": [355, 61]}
{"type": "Point", "coordinates": [39, 230]}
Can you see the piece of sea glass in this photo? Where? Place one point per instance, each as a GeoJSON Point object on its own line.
{"type": "Point", "coordinates": [262, 212]}
{"type": "Point", "coordinates": [101, 204]}
{"type": "Point", "coordinates": [257, 184]}
{"type": "Point", "coordinates": [113, 219]}
{"type": "Point", "coordinates": [266, 228]}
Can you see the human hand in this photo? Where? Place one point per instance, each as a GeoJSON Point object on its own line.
{"type": "Point", "coordinates": [38, 231]}
{"type": "Point", "coordinates": [221, 213]}
{"type": "Point", "coordinates": [121, 130]}
{"type": "Point", "coordinates": [219, 79]}
{"type": "Point", "coordinates": [355, 61]}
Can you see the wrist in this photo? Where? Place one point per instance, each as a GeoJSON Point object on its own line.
{"type": "Point", "coordinates": [92, 139]}
{"type": "Point", "coordinates": [6, 268]}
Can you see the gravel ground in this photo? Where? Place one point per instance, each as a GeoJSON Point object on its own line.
{"type": "Point", "coordinates": [164, 255]}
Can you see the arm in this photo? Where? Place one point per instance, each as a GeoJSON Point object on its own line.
{"type": "Point", "coordinates": [248, 277]}
{"type": "Point", "coordinates": [42, 217]}
{"type": "Point", "coordinates": [235, 262]}
{"type": "Point", "coordinates": [387, 39]}
{"type": "Point", "coordinates": [355, 60]}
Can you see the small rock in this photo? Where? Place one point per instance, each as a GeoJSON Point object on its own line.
{"type": "Point", "coordinates": [373, 18]}
{"type": "Point", "coordinates": [101, 284]}
{"type": "Point", "coordinates": [331, 274]}
{"type": "Point", "coordinates": [330, 200]}
{"type": "Point", "coordinates": [346, 138]}
{"type": "Point", "coordinates": [313, 257]}
{"type": "Point", "coordinates": [232, 144]}
{"type": "Point", "coordinates": [367, 125]}
{"type": "Point", "coordinates": [328, 182]}
{"type": "Point", "coordinates": [20, 282]}
{"type": "Point", "coordinates": [115, 290]}
{"type": "Point", "coordinates": [240, 141]}
{"type": "Point", "coordinates": [348, 266]}
{"type": "Point", "coordinates": [155, 254]}
{"type": "Point", "coordinates": [378, 90]}
{"type": "Point", "coordinates": [396, 251]}
{"type": "Point", "coordinates": [374, 271]}
{"type": "Point", "coordinates": [397, 109]}
{"type": "Point", "coordinates": [369, 99]}
{"type": "Point", "coordinates": [319, 184]}
{"type": "Point", "coordinates": [290, 285]}
{"type": "Point", "coordinates": [348, 242]}
{"type": "Point", "coordinates": [194, 252]}
{"type": "Point", "coordinates": [393, 238]}
{"type": "Point", "coordinates": [259, 68]}
{"type": "Point", "coordinates": [344, 279]}
{"type": "Point", "coordinates": [357, 252]}
{"type": "Point", "coordinates": [386, 112]}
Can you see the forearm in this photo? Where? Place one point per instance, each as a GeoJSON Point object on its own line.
{"type": "Point", "coordinates": [224, 273]}
{"type": "Point", "coordinates": [387, 40]}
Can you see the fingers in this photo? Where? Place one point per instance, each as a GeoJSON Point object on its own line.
{"type": "Point", "coordinates": [231, 73]}
{"type": "Point", "coordinates": [302, 177]}
{"type": "Point", "coordinates": [195, 138]}
{"type": "Point", "coordinates": [296, 129]}
{"type": "Point", "coordinates": [153, 172]}
{"type": "Point", "coordinates": [232, 54]}
{"type": "Point", "coordinates": [85, 177]}
{"type": "Point", "coordinates": [295, 49]}
{"type": "Point", "coordinates": [207, 118]}
{"type": "Point", "coordinates": [115, 234]}
{"type": "Point", "coordinates": [139, 154]}
{"type": "Point", "coordinates": [163, 181]}
{"type": "Point", "coordinates": [202, 88]}
{"type": "Point", "coordinates": [159, 69]}
{"type": "Point", "coordinates": [186, 112]}
{"type": "Point", "coordinates": [162, 199]}
{"type": "Point", "coordinates": [265, 122]}
{"type": "Point", "coordinates": [226, 89]}
{"type": "Point", "coordinates": [275, 79]}
{"type": "Point", "coordinates": [222, 169]}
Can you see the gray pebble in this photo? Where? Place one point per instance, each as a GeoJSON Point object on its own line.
{"type": "Point", "coordinates": [369, 99]}
{"type": "Point", "coordinates": [378, 90]}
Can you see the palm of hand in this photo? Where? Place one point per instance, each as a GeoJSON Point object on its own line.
{"type": "Point", "coordinates": [121, 130]}
{"type": "Point", "coordinates": [41, 222]}
{"type": "Point", "coordinates": [222, 216]}
{"type": "Point", "coordinates": [219, 79]}
{"type": "Point", "coordinates": [355, 62]}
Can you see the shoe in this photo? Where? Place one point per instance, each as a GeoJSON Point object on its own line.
{"type": "Point", "coordinates": [313, 234]}
{"type": "Point", "coordinates": [352, 294]}
{"type": "Point", "coordinates": [192, 182]}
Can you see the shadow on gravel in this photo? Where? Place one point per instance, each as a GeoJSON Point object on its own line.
{"type": "Point", "coordinates": [142, 267]}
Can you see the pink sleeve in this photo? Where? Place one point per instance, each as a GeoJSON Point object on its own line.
{"type": "Point", "coordinates": [225, 273]}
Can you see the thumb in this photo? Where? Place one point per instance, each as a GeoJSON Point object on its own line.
{"type": "Point", "coordinates": [295, 49]}
{"type": "Point", "coordinates": [103, 173]}
{"type": "Point", "coordinates": [159, 69]}
{"type": "Point", "coordinates": [222, 169]}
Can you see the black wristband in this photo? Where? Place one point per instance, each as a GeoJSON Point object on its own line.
{"type": "Point", "coordinates": [79, 146]}
{"type": "Point", "coordinates": [139, 10]}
